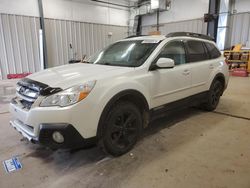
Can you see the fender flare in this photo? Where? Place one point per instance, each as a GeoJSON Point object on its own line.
{"type": "Point", "coordinates": [137, 96]}
{"type": "Point", "coordinates": [221, 78]}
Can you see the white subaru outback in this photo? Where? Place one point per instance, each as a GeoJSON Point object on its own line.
{"type": "Point", "coordinates": [110, 98]}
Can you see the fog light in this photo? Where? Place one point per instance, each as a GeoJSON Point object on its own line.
{"type": "Point", "coordinates": [58, 137]}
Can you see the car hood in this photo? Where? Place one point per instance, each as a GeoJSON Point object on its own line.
{"type": "Point", "coordinates": [68, 75]}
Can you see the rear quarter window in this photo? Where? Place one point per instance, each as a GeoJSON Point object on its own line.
{"type": "Point", "coordinates": [212, 50]}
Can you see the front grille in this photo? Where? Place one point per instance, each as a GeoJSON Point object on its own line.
{"type": "Point", "coordinates": [26, 104]}
{"type": "Point", "coordinates": [28, 91]}
{"type": "Point", "coordinates": [27, 94]}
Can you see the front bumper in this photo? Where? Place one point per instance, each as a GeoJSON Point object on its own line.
{"type": "Point", "coordinates": [25, 130]}
{"type": "Point", "coordinates": [72, 138]}
{"type": "Point", "coordinates": [80, 115]}
{"type": "Point", "coordinates": [77, 122]}
{"type": "Point", "coordinates": [38, 125]}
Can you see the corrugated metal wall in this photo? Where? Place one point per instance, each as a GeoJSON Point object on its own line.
{"type": "Point", "coordinates": [19, 41]}
{"type": "Point", "coordinates": [85, 38]}
{"type": "Point", "coordinates": [19, 50]}
{"type": "Point", "coordinates": [19, 46]}
{"type": "Point", "coordinates": [196, 25]}
{"type": "Point", "coordinates": [239, 28]}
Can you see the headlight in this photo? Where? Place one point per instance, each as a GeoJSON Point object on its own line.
{"type": "Point", "coordinates": [69, 96]}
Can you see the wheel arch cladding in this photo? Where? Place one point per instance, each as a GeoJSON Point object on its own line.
{"type": "Point", "coordinates": [130, 95]}
{"type": "Point", "coordinates": [220, 77]}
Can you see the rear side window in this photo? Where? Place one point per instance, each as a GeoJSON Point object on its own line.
{"type": "Point", "coordinates": [196, 51]}
{"type": "Point", "coordinates": [213, 51]}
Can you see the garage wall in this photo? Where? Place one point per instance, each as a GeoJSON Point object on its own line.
{"type": "Point", "coordinates": [20, 7]}
{"type": "Point", "coordinates": [87, 11]}
{"type": "Point", "coordinates": [241, 6]}
{"type": "Point", "coordinates": [19, 43]}
{"type": "Point", "coordinates": [186, 16]}
{"type": "Point", "coordinates": [183, 16]}
{"type": "Point", "coordinates": [85, 38]}
{"type": "Point", "coordinates": [195, 25]}
{"type": "Point", "coordinates": [240, 29]}
{"type": "Point", "coordinates": [181, 10]}
{"type": "Point", "coordinates": [74, 10]}
{"type": "Point", "coordinates": [19, 50]}
{"type": "Point", "coordinates": [75, 22]}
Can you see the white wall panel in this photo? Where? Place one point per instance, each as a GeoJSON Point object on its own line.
{"type": "Point", "coordinates": [19, 50]}
{"type": "Point", "coordinates": [196, 25]}
{"type": "Point", "coordinates": [85, 38]}
{"type": "Point", "coordinates": [242, 6]}
{"type": "Point", "coordinates": [19, 42]}
{"type": "Point", "coordinates": [75, 10]}
{"type": "Point", "coordinates": [20, 7]}
{"type": "Point", "coordinates": [181, 10]}
{"type": "Point", "coordinates": [239, 28]}
{"type": "Point", "coordinates": [86, 11]}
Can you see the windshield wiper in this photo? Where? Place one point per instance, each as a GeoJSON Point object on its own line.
{"type": "Point", "coordinates": [87, 62]}
{"type": "Point", "coordinates": [106, 63]}
{"type": "Point", "coordinates": [115, 64]}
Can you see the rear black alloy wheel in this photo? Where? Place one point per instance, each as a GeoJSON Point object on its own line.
{"type": "Point", "coordinates": [214, 95]}
{"type": "Point", "coordinates": [122, 128]}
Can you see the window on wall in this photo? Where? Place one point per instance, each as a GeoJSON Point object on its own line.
{"type": "Point", "coordinates": [213, 51]}
{"type": "Point", "coordinates": [196, 51]}
{"type": "Point", "coordinates": [174, 50]}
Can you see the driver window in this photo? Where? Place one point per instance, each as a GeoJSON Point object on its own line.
{"type": "Point", "coordinates": [174, 50]}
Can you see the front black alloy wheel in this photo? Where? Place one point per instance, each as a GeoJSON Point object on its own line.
{"type": "Point", "coordinates": [122, 128]}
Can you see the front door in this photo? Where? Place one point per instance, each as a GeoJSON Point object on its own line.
{"type": "Point", "coordinates": [168, 85]}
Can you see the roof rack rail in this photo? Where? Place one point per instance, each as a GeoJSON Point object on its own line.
{"type": "Point", "coordinates": [189, 34]}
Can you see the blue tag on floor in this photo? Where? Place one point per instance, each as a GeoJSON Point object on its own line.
{"type": "Point", "coordinates": [12, 165]}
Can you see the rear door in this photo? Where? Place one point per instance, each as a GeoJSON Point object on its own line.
{"type": "Point", "coordinates": [200, 63]}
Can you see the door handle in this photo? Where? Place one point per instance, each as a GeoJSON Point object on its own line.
{"type": "Point", "coordinates": [211, 66]}
{"type": "Point", "coordinates": [186, 72]}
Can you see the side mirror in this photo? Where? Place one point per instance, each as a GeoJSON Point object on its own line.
{"type": "Point", "coordinates": [165, 63]}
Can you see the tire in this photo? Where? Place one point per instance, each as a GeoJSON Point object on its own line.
{"type": "Point", "coordinates": [214, 95]}
{"type": "Point", "coordinates": [121, 129]}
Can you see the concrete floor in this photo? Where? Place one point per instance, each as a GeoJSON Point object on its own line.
{"type": "Point", "coordinates": [188, 149]}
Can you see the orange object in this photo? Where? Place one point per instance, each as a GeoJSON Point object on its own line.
{"type": "Point", "coordinates": [237, 47]}
{"type": "Point", "coordinates": [154, 33]}
{"type": "Point", "coordinates": [82, 96]}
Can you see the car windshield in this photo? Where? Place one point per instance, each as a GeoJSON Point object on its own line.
{"type": "Point", "coordinates": [125, 53]}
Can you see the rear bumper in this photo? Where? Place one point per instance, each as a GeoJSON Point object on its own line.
{"type": "Point", "coordinates": [72, 138]}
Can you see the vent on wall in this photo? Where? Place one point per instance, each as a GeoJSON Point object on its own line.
{"type": "Point", "coordinates": [145, 7]}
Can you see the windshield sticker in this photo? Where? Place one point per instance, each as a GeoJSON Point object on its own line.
{"type": "Point", "coordinates": [150, 41]}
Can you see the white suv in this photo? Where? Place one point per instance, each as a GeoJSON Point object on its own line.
{"type": "Point", "coordinates": [110, 98]}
